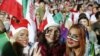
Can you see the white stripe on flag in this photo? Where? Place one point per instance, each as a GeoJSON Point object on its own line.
{"type": "Point", "coordinates": [30, 17]}
{"type": "Point", "coordinates": [19, 1]}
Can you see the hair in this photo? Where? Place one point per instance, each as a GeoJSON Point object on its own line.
{"type": "Point", "coordinates": [97, 15]}
{"type": "Point", "coordinates": [42, 38]}
{"type": "Point", "coordinates": [79, 6]}
{"type": "Point", "coordinates": [83, 17]}
{"type": "Point", "coordinates": [4, 29]}
{"type": "Point", "coordinates": [90, 5]}
{"type": "Point", "coordinates": [82, 41]}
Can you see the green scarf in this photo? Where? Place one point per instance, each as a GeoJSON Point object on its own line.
{"type": "Point", "coordinates": [6, 48]}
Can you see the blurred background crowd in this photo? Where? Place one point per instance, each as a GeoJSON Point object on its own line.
{"type": "Point", "coordinates": [45, 13]}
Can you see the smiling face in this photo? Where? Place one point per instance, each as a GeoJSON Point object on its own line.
{"type": "Point", "coordinates": [73, 38]}
{"type": "Point", "coordinates": [52, 34]}
{"type": "Point", "coordinates": [22, 37]}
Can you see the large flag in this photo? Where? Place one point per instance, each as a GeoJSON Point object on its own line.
{"type": "Point", "coordinates": [47, 19]}
{"type": "Point", "coordinates": [30, 16]}
{"type": "Point", "coordinates": [24, 3]}
{"type": "Point", "coordinates": [13, 7]}
{"type": "Point", "coordinates": [19, 9]}
{"type": "Point", "coordinates": [6, 48]}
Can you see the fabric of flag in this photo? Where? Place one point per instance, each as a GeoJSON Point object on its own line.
{"type": "Point", "coordinates": [67, 16]}
{"type": "Point", "coordinates": [42, 25]}
{"type": "Point", "coordinates": [13, 7]}
{"type": "Point", "coordinates": [92, 50]}
{"type": "Point", "coordinates": [6, 49]}
{"type": "Point", "coordinates": [24, 3]}
{"type": "Point", "coordinates": [30, 16]}
{"type": "Point", "coordinates": [58, 17]}
{"type": "Point", "coordinates": [47, 19]}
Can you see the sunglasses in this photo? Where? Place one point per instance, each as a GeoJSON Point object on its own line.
{"type": "Point", "coordinates": [74, 37]}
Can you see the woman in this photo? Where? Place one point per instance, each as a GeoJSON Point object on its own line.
{"type": "Point", "coordinates": [21, 41]}
{"type": "Point", "coordinates": [49, 43]}
{"type": "Point", "coordinates": [75, 43]}
{"type": "Point", "coordinates": [90, 33]}
{"type": "Point", "coordinates": [20, 37]}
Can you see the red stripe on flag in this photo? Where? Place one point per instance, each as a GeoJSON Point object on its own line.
{"type": "Point", "coordinates": [42, 25]}
{"type": "Point", "coordinates": [31, 10]}
{"type": "Point", "coordinates": [12, 7]}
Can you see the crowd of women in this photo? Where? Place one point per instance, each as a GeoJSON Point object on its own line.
{"type": "Point", "coordinates": [72, 29]}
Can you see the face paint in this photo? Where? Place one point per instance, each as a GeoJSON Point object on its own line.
{"type": "Point", "coordinates": [74, 37]}
{"type": "Point", "coordinates": [52, 34]}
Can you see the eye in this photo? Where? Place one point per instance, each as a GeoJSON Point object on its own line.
{"type": "Point", "coordinates": [75, 36]}
{"type": "Point", "coordinates": [69, 34]}
{"type": "Point", "coordinates": [49, 30]}
{"type": "Point", "coordinates": [21, 35]}
{"type": "Point", "coordinates": [57, 31]}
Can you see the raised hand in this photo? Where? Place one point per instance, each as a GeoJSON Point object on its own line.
{"type": "Point", "coordinates": [37, 52]}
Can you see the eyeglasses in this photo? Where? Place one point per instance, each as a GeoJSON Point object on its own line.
{"type": "Point", "coordinates": [74, 37]}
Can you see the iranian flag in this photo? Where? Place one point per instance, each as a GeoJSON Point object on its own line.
{"type": "Point", "coordinates": [13, 7]}
{"type": "Point", "coordinates": [29, 15]}
{"type": "Point", "coordinates": [21, 9]}
{"type": "Point", "coordinates": [47, 19]}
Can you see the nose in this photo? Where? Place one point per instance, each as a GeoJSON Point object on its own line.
{"type": "Point", "coordinates": [70, 39]}
{"type": "Point", "coordinates": [52, 34]}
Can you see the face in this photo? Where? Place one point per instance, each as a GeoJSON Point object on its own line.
{"type": "Point", "coordinates": [99, 9]}
{"type": "Point", "coordinates": [42, 5]}
{"type": "Point", "coordinates": [82, 8]}
{"type": "Point", "coordinates": [55, 11]}
{"type": "Point", "coordinates": [73, 38]}
{"type": "Point", "coordinates": [2, 28]}
{"type": "Point", "coordinates": [94, 10]}
{"type": "Point", "coordinates": [22, 37]}
{"type": "Point", "coordinates": [90, 8]}
{"type": "Point", "coordinates": [52, 34]}
{"type": "Point", "coordinates": [84, 22]}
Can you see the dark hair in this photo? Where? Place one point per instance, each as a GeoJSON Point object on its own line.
{"type": "Point", "coordinates": [90, 5]}
{"type": "Point", "coordinates": [79, 6]}
{"type": "Point", "coordinates": [82, 15]}
{"type": "Point", "coordinates": [4, 29]}
{"type": "Point", "coordinates": [97, 15]}
{"type": "Point", "coordinates": [83, 18]}
{"type": "Point", "coordinates": [54, 12]}
{"type": "Point", "coordinates": [96, 3]}
{"type": "Point", "coordinates": [42, 38]}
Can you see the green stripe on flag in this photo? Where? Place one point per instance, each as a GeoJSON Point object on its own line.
{"type": "Point", "coordinates": [92, 50]}
{"type": "Point", "coordinates": [6, 49]}
{"type": "Point", "coordinates": [24, 4]}
{"type": "Point", "coordinates": [67, 16]}
{"type": "Point", "coordinates": [58, 17]}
